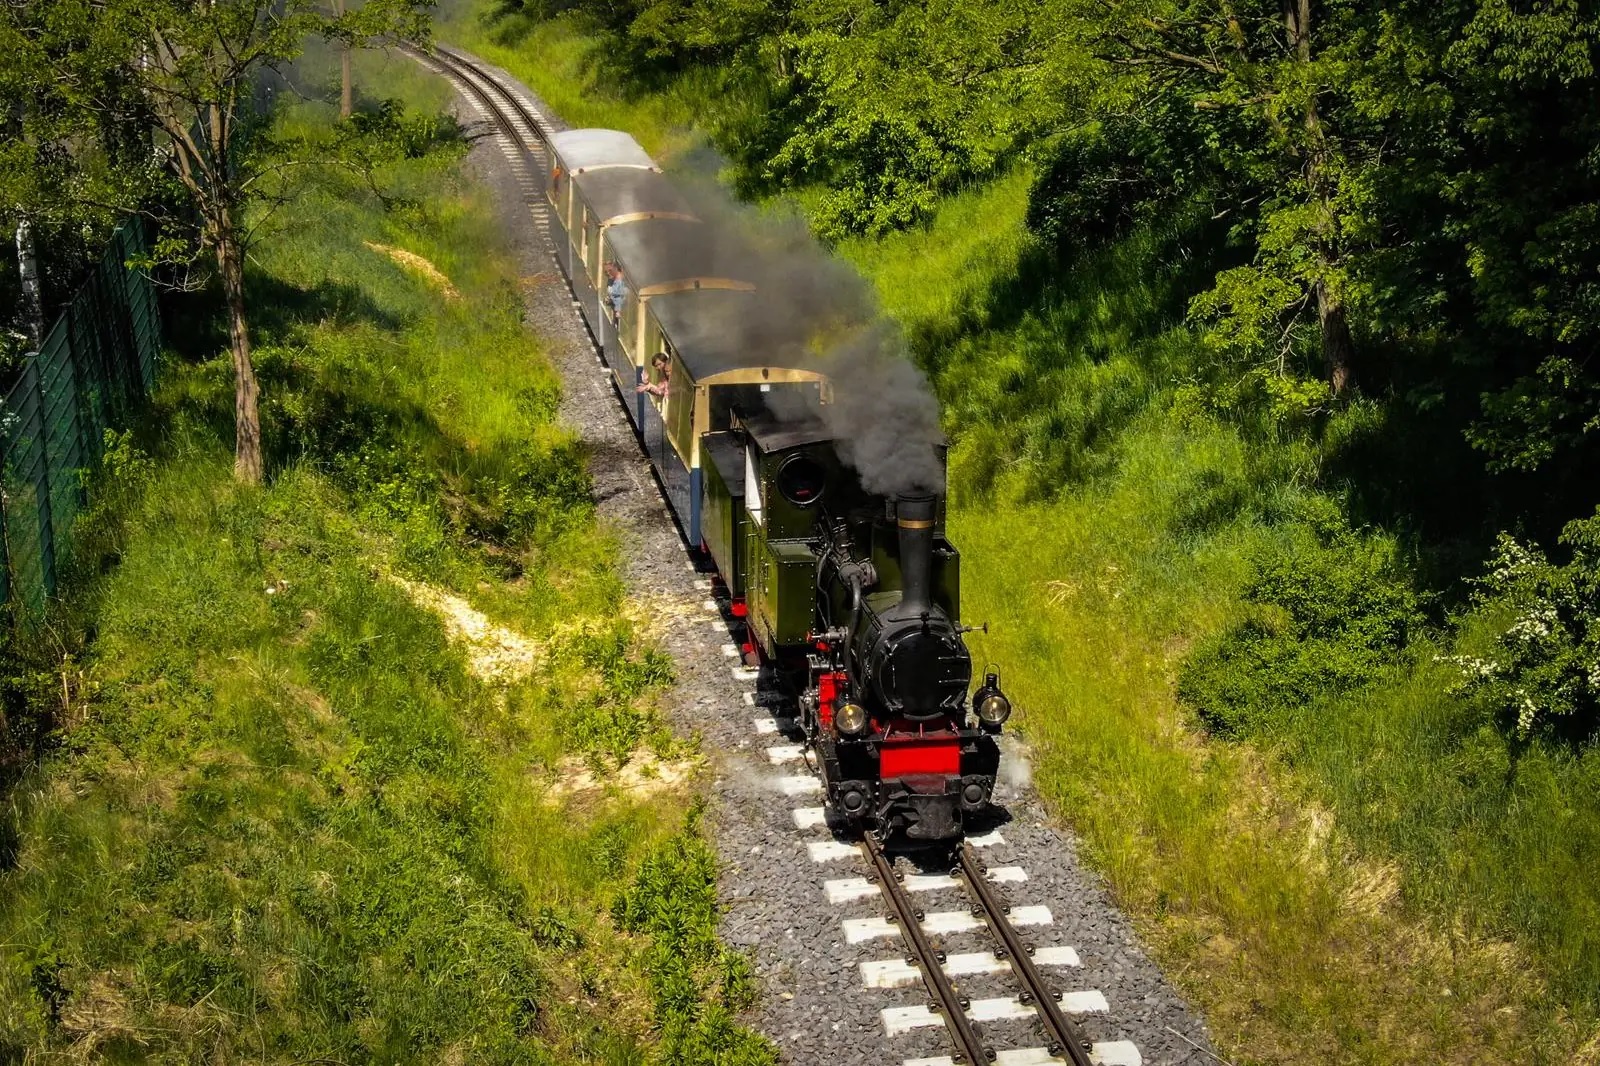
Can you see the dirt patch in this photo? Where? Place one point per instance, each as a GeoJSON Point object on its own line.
{"type": "Point", "coordinates": [99, 1013]}
{"type": "Point", "coordinates": [645, 775]}
{"type": "Point", "coordinates": [655, 614]}
{"type": "Point", "coordinates": [494, 652]}
{"type": "Point", "coordinates": [418, 265]}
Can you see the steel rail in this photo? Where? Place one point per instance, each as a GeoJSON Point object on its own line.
{"type": "Point", "coordinates": [947, 1001]}
{"type": "Point", "coordinates": [521, 109]}
{"type": "Point", "coordinates": [495, 98]}
{"type": "Point", "coordinates": [1067, 1039]}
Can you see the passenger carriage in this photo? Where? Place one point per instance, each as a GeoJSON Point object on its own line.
{"type": "Point", "coordinates": [685, 295]}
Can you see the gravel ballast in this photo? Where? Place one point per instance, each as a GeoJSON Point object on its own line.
{"type": "Point", "coordinates": [815, 1005]}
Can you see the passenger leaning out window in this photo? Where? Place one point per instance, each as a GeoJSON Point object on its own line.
{"type": "Point", "coordinates": [616, 291]}
{"type": "Point", "coordinates": [663, 368]}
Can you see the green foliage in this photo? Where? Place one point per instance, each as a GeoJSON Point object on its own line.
{"type": "Point", "coordinates": [1326, 613]}
{"type": "Point", "coordinates": [293, 820]}
{"type": "Point", "coordinates": [698, 984]}
{"type": "Point", "coordinates": [894, 106]}
{"type": "Point", "coordinates": [1541, 675]}
{"type": "Point", "coordinates": [886, 107]}
{"type": "Point", "coordinates": [1107, 174]}
{"type": "Point", "coordinates": [104, 78]}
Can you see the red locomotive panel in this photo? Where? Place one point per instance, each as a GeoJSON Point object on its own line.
{"type": "Point", "coordinates": [925, 755]}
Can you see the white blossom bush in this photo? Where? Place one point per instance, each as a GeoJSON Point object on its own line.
{"type": "Point", "coordinates": [1543, 674]}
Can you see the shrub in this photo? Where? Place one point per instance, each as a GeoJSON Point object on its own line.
{"type": "Point", "coordinates": [1325, 613]}
{"type": "Point", "coordinates": [1543, 673]}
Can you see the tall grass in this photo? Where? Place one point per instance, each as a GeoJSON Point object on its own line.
{"type": "Point", "coordinates": [567, 69]}
{"type": "Point", "coordinates": [293, 818]}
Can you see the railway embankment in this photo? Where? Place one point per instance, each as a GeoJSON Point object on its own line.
{"type": "Point", "coordinates": [338, 772]}
{"type": "Point", "coordinates": [1240, 689]}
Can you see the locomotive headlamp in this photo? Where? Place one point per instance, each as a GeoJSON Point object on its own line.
{"type": "Point", "coordinates": [994, 709]}
{"type": "Point", "coordinates": [850, 719]}
{"type": "Point", "coordinates": [991, 704]}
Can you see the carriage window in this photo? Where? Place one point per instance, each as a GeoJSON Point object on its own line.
{"type": "Point", "coordinates": [801, 480]}
{"type": "Point", "coordinates": [752, 484]}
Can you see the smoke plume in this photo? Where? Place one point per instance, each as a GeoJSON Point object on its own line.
{"type": "Point", "coordinates": [817, 311]}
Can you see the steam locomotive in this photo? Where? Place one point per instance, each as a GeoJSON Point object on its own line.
{"type": "Point", "coordinates": [850, 595]}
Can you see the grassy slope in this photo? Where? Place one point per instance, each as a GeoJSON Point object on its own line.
{"type": "Point", "coordinates": [1365, 889]}
{"type": "Point", "coordinates": [294, 819]}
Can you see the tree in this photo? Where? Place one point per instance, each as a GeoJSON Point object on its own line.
{"type": "Point", "coordinates": [1266, 72]}
{"type": "Point", "coordinates": [186, 71]}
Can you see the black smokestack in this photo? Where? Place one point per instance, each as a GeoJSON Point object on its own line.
{"type": "Point", "coordinates": [915, 513]}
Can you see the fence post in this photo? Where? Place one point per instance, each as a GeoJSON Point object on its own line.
{"type": "Point", "coordinates": [7, 579]}
{"type": "Point", "coordinates": [47, 526]}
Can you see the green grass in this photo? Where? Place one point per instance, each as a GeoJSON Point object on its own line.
{"type": "Point", "coordinates": [292, 817]}
{"type": "Point", "coordinates": [563, 66]}
{"type": "Point", "coordinates": [1365, 881]}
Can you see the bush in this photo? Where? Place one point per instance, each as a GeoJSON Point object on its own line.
{"type": "Point", "coordinates": [1102, 179]}
{"type": "Point", "coordinates": [1325, 613]}
{"type": "Point", "coordinates": [1543, 673]}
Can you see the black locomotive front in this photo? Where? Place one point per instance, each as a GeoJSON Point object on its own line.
{"type": "Point", "coordinates": [887, 707]}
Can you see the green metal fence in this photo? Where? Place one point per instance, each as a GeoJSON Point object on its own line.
{"type": "Point", "coordinates": [96, 365]}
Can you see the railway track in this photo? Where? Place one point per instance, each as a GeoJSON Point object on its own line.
{"type": "Point", "coordinates": [504, 107]}
{"type": "Point", "coordinates": [1067, 1042]}
{"type": "Point", "coordinates": [525, 132]}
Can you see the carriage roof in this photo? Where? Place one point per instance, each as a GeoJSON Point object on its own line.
{"type": "Point", "coordinates": [662, 255]}
{"type": "Point", "coordinates": [721, 333]}
{"type": "Point", "coordinates": [773, 433]}
{"type": "Point", "coordinates": [615, 194]}
{"type": "Point", "coordinates": [581, 150]}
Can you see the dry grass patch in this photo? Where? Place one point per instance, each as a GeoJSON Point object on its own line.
{"type": "Point", "coordinates": [418, 265]}
{"type": "Point", "coordinates": [643, 777]}
{"type": "Point", "coordinates": [494, 652]}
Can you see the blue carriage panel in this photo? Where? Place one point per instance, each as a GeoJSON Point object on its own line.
{"type": "Point", "coordinates": [636, 409]}
{"type": "Point", "coordinates": [652, 429]}
{"type": "Point", "coordinates": [696, 490]}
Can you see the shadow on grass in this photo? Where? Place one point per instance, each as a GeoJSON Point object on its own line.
{"type": "Point", "coordinates": [1054, 359]}
{"type": "Point", "coordinates": [196, 326]}
{"type": "Point", "coordinates": [1402, 462]}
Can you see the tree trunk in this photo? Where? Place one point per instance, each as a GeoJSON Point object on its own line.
{"type": "Point", "coordinates": [346, 90]}
{"type": "Point", "coordinates": [28, 269]}
{"type": "Point", "coordinates": [246, 412]}
{"type": "Point", "coordinates": [1338, 347]}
